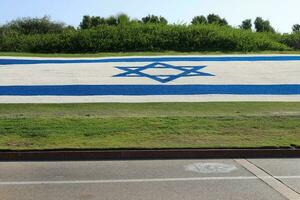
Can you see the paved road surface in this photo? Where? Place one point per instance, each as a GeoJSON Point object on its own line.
{"type": "Point", "coordinates": [258, 179]}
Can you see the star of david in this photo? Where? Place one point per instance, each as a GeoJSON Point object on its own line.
{"type": "Point", "coordinates": [183, 71]}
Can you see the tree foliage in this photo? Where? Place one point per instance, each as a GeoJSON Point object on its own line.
{"type": "Point", "coordinates": [152, 33]}
{"type": "Point", "coordinates": [296, 28]}
{"type": "Point", "coordinates": [216, 19]}
{"type": "Point", "coordinates": [143, 37]}
{"type": "Point", "coordinates": [262, 25]}
{"type": "Point", "coordinates": [154, 19]}
{"type": "Point", "coordinates": [95, 21]}
{"type": "Point", "coordinates": [210, 19]}
{"type": "Point", "coordinates": [199, 20]}
{"type": "Point", "coordinates": [86, 22]}
{"type": "Point", "coordinates": [35, 26]}
{"type": "Point", "coordinates": [246, 24]}
{"type": "Point", "coordinates": [92, 21]}
{"type": "Point", "coordinates": [111, 21]}
{"type": "Point", "coordinates": [123, 19]}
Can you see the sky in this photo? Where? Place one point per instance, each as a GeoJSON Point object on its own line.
{"type": "Point", "coordinates": [282, 13]}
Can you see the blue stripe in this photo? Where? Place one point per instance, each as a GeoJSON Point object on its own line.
{"type": "Point", "coordinates": [153, 59]}
{"type": "Point", "coordinates": [89, 90]}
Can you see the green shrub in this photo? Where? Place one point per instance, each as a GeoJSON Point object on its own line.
{"type": "Point", "coordinates": [144, 37]}
{"type": "Point", "coordinates": [292, 40]}
{"type": "Point", "coordinates": [35, 26]}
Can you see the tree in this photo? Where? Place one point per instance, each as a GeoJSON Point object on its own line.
{"type": "Point", "coordinates": [35, 26]}
{"type": "Point", "coordinates": [216, 19]}
{"type": "Point", "coordinates": [296, 28]}
{"type": "Point", "coordinates": [163, 20]}
{"type": "Point", "coordinates": [111, 21]}
{"type": "Point", "coordinates": [199, 20]}
{"type": "Point", "coordinates": [70, 28]}
{"type": "Point", "coordinates": [97, 21]}
{"type": "Point", "coordinates": [91, 22]}
{"type": "Point", "coordinates": [86, 22]}
{"type": "Point", "coordinates": [154, 19]}
{"type": "Point", "coordinates": [223, 22]}
{"type": "Point", "coordinates": [263, 25]}
{"type": "Point", "coordinates": [136, 21]}
{"type": "Point", "coordinates": [123, 19]}
{"type": "Point", "coordinates": [246, 24]}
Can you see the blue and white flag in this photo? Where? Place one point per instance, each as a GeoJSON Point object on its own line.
{"type": "Point", "coordinates": [150, 79]}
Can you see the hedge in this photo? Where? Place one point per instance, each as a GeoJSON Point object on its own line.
{"type": "Point", "coordinates": [146, 37]}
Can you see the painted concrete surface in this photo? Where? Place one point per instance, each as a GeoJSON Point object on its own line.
{"type": "Point", "coordinates": [289, 167]}
{"type": "Point", "coordinates": [150, 79]}
{"type": "Point", "coordinates": [139, 99]}
{"type": "Point", "coordinates": [152, 179]}
{"type": "Point", "coordinates": [102, 74]}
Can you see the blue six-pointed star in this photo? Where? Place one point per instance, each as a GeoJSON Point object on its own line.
{"type": "Point", "coordinates": [184, 71]}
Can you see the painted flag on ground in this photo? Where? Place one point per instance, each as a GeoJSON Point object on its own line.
{"type": "Point", "coordinates": [150, 79]}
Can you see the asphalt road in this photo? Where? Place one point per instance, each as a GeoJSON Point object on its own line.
{"type": "Point", "coordinates": [153, 179]}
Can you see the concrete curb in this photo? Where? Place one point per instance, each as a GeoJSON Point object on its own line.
{"type": "Point", "coordinates": [73, 155]}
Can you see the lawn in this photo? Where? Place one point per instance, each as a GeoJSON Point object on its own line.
{"type": "Point", "coordinates": [149, 125]}
{"type": "Point", "coordinates": [116, 54]}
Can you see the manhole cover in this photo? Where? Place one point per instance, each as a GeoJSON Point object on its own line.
{"type": "Point", "coordinates": [210, 168]}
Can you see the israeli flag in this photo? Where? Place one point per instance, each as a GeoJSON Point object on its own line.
{"type": "Point", "coordinates": [150, 79]}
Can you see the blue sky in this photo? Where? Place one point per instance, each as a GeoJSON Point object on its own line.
{"type": "Point", "coordinates": [282, 13]}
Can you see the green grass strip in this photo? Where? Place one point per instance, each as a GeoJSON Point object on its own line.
{"type": "Point", "coordinates": [153, 125]}
{"type": "Point", "coordinates": [120, 54]}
